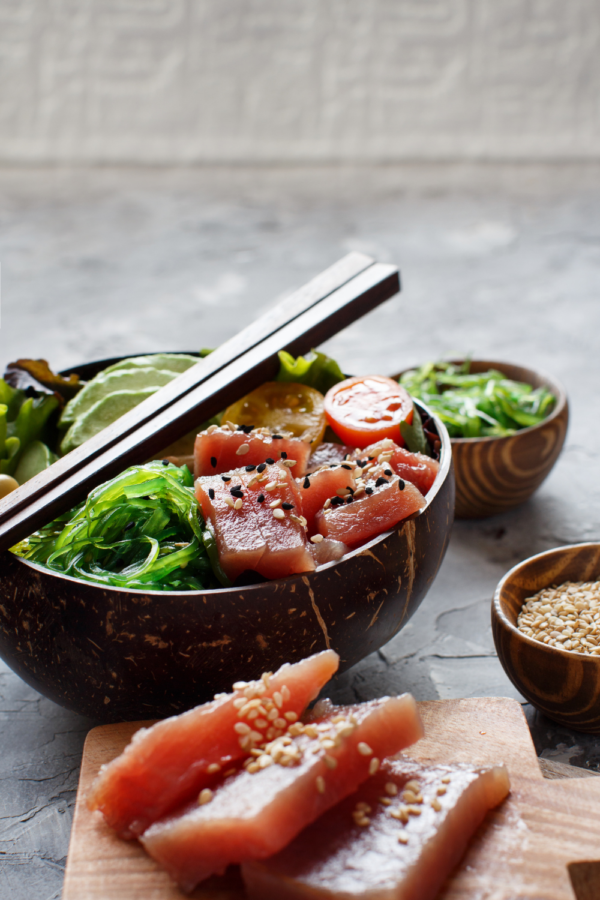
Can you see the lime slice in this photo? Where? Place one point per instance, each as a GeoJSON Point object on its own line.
{"type": "Point", "coordinates": [107, 383]}
{"type": "Point", "coordinates": [36, 457]}
{"type": "Point", "coordinates": [101, 414]}
{"type": "Point", "coordinates": [170, 362]}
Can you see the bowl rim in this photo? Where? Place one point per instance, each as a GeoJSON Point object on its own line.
{"type": "Point", "coordinates": [551, 382]}
{"type": "Point", "coordinates": [443, 473]}
{"type": "Point", "coordinates": [504, 621]}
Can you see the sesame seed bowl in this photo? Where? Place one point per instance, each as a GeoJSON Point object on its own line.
{"type": "Point", "coordinates": [120, 654]}
{"type": "Point", "coordinates": [564, 684]}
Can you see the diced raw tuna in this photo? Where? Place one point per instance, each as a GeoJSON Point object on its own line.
{"type": "Point", "coordinates": [417, 468]}
{"type": "Point", "coordinates": [256, 812]}
{"type": "Point", "coordinates": [328, 551]}
{"type": "Point", "coordinates": [170, 762]}
{"type": "Point", "coordinates": [368, 515]}
{"type": "Point", "coordinates": [328, 453]}
{"type": "Point", "coordinates": [323, 485]}
{"type": "Point", "coordinates": [373, 846]}
{"type": "Point", "coordinates": [218, 450]}
{"type": "Point", "coordinates": [256, 536]}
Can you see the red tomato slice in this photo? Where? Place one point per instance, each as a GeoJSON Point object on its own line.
{"type": "Point", "coordinates": [368, 408]}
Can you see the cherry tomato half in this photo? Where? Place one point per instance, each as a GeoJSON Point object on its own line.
{"type": "Point", "coordinates": [367, 409]}
{"type": "Point", "coordinates": [282, 406]}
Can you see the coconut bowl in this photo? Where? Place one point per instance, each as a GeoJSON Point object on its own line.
{"type": "Point", "coordinates": [117, 654]}
{"type": "Point", "coordinates": [562, 684]}
{"type": "Point", "coordinates": [495, 474]}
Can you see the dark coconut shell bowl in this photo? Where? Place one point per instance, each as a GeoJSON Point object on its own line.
{"type": "Point", "coordinates": [117, 654]}
{"type": "Point", "coordinates": [495, 474]}
{"type": "Point", "coordinates": [563, 684]}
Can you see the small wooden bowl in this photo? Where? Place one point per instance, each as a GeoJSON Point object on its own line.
{"type": "Point", "coordinates": [118, 654]}
{"type": "Point", "coordinates": [562, 684]}
{"type": "Point", "coordinates": [494, 474]}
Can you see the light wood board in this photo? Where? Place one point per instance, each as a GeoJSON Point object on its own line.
{"type": "Point", "coordinates": [521, 851]}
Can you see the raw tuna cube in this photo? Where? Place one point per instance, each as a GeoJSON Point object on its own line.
{"type": "Point", "coordinates": [170, 762]}
{"type": "Point", "coordinates": [217, 450]}
{"type": "Point", "coordinates": [256, 812]}
{"type": "Point", "coordinates": [328, 453]}
{"type": "Point", "coordinates": [417, 468]}
{"type": "Point", "coordinates": [323, 485]}
{"type": "Point", "coordinates": [369, 514]}
{"type": "Point", "coordinates": [375, 845]}
{"type": "Point", "coordinates": [327, 550]}
{"type": "Point", "coordinates": [240, 542]}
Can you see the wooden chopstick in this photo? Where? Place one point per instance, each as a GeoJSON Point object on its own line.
{"type": "Point", "coordinates": [268, 324]}
{"type": "Point", "coordinates": [340, 308]}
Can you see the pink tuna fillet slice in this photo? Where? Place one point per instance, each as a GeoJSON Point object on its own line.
{"type": "Point", "coordinates": [255, 812]}
{"type": "Point", "coordinates": [170, 762]}
{"type": "Point", "coordinates": [218, 450]}
{"type": "Point", "coordinates": [396, 838]}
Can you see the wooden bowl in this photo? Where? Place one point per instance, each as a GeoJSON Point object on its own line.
{"type": "Point", "coordinates": [494, 474]}
{"type": "Point", "coordinates": [562, 684]}
{"type": "Point", "coordinates": [119, 654]}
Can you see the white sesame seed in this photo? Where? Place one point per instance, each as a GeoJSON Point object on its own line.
{"type": "Point", "coordinates": [280, 723]}
{"type": "Point", "coordinates": [211, 429]}
{"type": "Point", "coordinates": [239, 702]}
{"type": "Point", "coordinates": [213, 768]}
{"type": "Point", "coordinates": [391, 789]}
{"type": "Point", "coordinates": [290, 463]}
{"type": "Point", "coordinates": [385, 801]}
{"type": "Point", "coordinates": [271, 486]}
{"type": "Point", "coordinates": [285, 693]}
{"type": "Point", "coordinates": [373, 765]}
{"type": "Point", "coordinates": [364, 749]}
{"type": "Point", "coordinates": [320, 784]}
{"type": "Point", "coordinates": [436, 804]}
{"type": "Point", "coordinates": [363, 806]}
{"type": "Point", "coordinates": [291, 716]}
{"type": "Point", "coordinates": [242, 449]}
{"type": "Point", "coordinates": [402, 838]}
{"type": "Point", "coordinates": [446, 779]}
{"type": "Point", "coordinates": [317, 538]}
{"type": "Point", "coordinates": [265, 761]}
{"type": "Point", "coordinates": [275, 503]}
{"type": "Point", "coordinates": [330, 761]}
{"type": "Point", "coordinates": [278, 514]}
{"type": "Point", "coordinates": [229, 501]}
{"type": "Point", "coordinates": [278, 699]}
{"type": "Point", "coordinates": [238, 503]}
{"type": "Point", "coordinates": [242, 728]}
{"type": "Point", "coordinates": [441, 791]}
{"type": "Point", "coordinates": [205, 796]}
{"type": "Point", "coordinates": [260, 723]}
{"type": "Point", "coordinates": [240, 685]}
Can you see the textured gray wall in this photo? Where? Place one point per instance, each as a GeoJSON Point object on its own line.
{"type": "Point", "coordinates": [298, 80]}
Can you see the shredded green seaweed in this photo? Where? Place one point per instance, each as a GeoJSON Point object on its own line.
{"type": "Point", "coordinates": [143, 529]}
{"type": "Point", "coordinates": [477, 404]}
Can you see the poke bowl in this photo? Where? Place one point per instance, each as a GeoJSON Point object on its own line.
{"type": "Point", "coordinates": [120, 654]}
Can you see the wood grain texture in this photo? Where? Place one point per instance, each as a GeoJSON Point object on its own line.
{"type": "Point", "coordinates": [141, 654]}
{"type": "Point", "coordinates": [564, 685]}
{"type": "Point", "coordinates": [299, 321]}
{"type": "Point", "coordinates": [496, 474]}
{"type": "Point", "coordinates": [521, 852]}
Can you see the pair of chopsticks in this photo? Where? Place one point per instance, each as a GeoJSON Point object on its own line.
{"type": "Point", "coordinates": [327, 304]}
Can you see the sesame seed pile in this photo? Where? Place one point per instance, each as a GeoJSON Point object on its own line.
{"type": "Point", "coordinates": [566, 616]}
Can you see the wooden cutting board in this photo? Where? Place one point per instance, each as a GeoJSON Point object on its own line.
{"type": "Point", "coordinates": [522, 850]}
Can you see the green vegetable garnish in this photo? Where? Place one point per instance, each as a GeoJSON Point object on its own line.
{"type": "Point", "coordinates": [23, 420]}
{"type": "Point", "coordinates": [143, 529]}
{"type": "Point", "coordinates": [316, 370]}
{"type": "Point", "coordinates": [477, 404]}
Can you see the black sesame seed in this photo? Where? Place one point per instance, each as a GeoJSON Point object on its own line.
{"type": "Point", "coordinates": [165, 462]}
{"type": "Point", "coordinates": [369, 458]}
{"type": "Point", "coordinates": [349, 499]}
{"type": "Point", "coordinates": [348, 488]}
{"type": "Point", "coordinates": [333, 465]}
{"type": "Point", "coordinates": [347, 456]}
{"type": "Point", "coordinates": [129, 525]}
{"type": "Point", "coordinates": [287, 505]}
{"type": "Point", "coordinates": [213, 462]}
{"type": "Point", "coordinates": [337, 501]}
{"type": "Point", "coordinates": [306, 482]}
{"type": "Point", "coordinates": [348, 468]}
{"type": "Point", "coordinates": [269, 461]}
{"type": "Point", "coordinates": [211, 493]}
{"type": "Point", "coordinates": [261, 498]}
{"type": "Point", "coordinates": [388, 472]}
{"type": "Point", "coordinates": [381, 480]}
{"type": "Point", "coordinates": [261, 468]}
{"type": "Point", "coordinates": [226, 477]}
{"type": "Point", "coordinates": [236, 493]}
{"type": "Point", "coordinates": [369, 490]}
{"type": "Point", "coordinates": [361, 462]}
{"type": "Point", "coordinates": [401, 484]}
{"type": "Point", "coordinates": [283, 454]}
{"type": "Point", "coordinates": [245, 428]}
{"type": "Point", "coordinates": [250, 468]}
{"type": "Point", "coordinates": [277, 437]}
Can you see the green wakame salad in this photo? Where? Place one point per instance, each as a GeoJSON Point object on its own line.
{"type": "Point", "coordinates": [477, 404]}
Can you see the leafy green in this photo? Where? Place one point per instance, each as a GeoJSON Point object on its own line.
{"type": "Point", "coordinates": [22, 421]}
{"type": "Point", "coordinates": [143, 529]}
{"type": "Point", "coordinates": [477, 404]}
{"type": "Point", "coordinates": [315, 370]}
{"type": "Point", "coordinates": [414, 436]}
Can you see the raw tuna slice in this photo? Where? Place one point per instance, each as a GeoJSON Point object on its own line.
{"type": "Point", "coordinates": [323, 485]}
{"type": "Point", "coordinates": [257, 520]}
{"type": "Point", "coordinates": [328, 453]}
{"type": "Point", "coordinates": [390, 500]}
{"type": "Point", "coordinates": [290, 783]}
{"type": "Point", "coordinates": [170, 762]}
{"type": "Point", "coordinates": [417, 468]}
{"type": "Point", "coordinates": [327, 550]}
{"type": "Point", "coordinates": [396, 838]}
{"type": "Point", "coordinates": [217, 450]}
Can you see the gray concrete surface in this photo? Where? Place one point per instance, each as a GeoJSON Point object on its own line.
{"type": "Point", "coordinates": [499, 262]}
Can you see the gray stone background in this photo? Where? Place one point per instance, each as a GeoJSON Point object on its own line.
{"type": "Point", "coordinates": [313, 129]}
